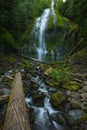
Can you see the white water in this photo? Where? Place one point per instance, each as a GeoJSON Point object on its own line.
{"type": "Point", "coordinates": [39, 31]}
{"type": "Point", "coordinates": [41, 113]}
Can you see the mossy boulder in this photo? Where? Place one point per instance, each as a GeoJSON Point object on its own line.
{"type": "Point", "coordinates": [53, 83]}
{"type": "Point", "coordinates": [61, 33]}
{"type": "Point", "coordinates": [57, 99]}
{"type": "Point", "coordinates": [75, 104]}
{"type": "Point", "coordinates": [71, 86]}
{"type": "Point", "coordinates": [38, 99]}
{"type": "Point", "coordinates": [76, 117]}
{"type": "Point", "coordinates": [31, 114]}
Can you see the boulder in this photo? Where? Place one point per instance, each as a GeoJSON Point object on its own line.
{"type": "Point", "coordinates": [76, 117]}
{"type": "Point", "coordinates": [75, 104]}
{"type": "Point", "coordinates": [57, 99]}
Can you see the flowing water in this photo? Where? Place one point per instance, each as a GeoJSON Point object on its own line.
{"type": "Point", "coordinates": [39, 32]}
{"type": "Point", "coordinates": [42, 119]}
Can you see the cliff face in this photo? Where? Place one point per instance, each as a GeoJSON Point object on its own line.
{"type": "Point", "coordinates": [61, 36]}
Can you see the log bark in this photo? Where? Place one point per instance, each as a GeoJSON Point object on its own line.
{"type": "Point", "coordinates": [16, 115]}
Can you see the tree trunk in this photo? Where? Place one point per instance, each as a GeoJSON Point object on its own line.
{"type": "Point", "coordinates": [16, 116]}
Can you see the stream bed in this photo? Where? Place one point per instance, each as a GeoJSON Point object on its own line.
{"type": "Point", "coordinates": [42, 114]}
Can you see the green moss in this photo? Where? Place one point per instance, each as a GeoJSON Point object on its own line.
{"type": "Point", "coordinates": [61, 73]}
{"type": "Point", "coordinates": [50, 22]}
{"type": "Point", "coordinates": [26, 64]}
{"type": "Point", "coordinates": [57, 99]}
{"type": "Point", "coordinates": [80, 120]}
{"type": "Point", "coordinates": [73, 87]}
{"type": "Point", "coordinates": [54, 83]}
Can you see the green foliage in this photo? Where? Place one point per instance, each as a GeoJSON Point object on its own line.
{"type": "Point", "coordinates": [15, 16]}
{"type": "Point", "coordinates": [61, 73]}
{"type": "Point", "coordinates": [76, 10]}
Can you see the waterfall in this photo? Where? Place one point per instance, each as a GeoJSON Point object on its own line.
{"type": "Point", "coordinates": [39, 32]}
{"type": "Point", "coordinates": [38, 44]}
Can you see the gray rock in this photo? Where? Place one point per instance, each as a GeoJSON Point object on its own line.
{"type": "Point", "coordinates": [75, 95]}
{"type": "Point", "coordinates": [85, 82]}
{"type": "Point", "coordinates": [76, 117]}
{"type": "Point", "coordinates": [5, 91]}
{"type": "Point", "coordinates": [75, 104]}
{"type": "Point", "coordinates": [84, 96]}
{"type": "Point", "coordinates": [58, 117]}
{"type": "Point", "coordinates": [52, 90]}
{"type": "Point", "coordinates": [84, 88]}
{"type": "Point", "coordinates": [68, 93]}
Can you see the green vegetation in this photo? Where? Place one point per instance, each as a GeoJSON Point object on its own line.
{"type": "Point", "coordinates": [61, 74]}
{"type": "Point", "coordinates": [76, 10]}
{"type": "Point", "coordinates": [15, 17]}
{"type": "Point", "coordinates": [57, 99]}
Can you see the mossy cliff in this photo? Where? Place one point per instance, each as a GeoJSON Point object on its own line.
{"type": "Point", "coordinates": [60, 36]}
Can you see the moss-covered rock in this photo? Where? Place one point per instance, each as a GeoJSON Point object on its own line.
{"type": "Point", "coordinates": [57, 99]}
{"type": "Point", "coordinates": [62, 32]}
{"type": "Point", "coordinates": [75, 104]}
{"type": "Point", "coordinates": [71, 86]}
{"type": "Point", "coordinates": [31, 114]}
{"type": "Point", "coordinates": [38, 99]}
{"type": "Point", "coordinates": [76, 117]}
{"type": "Point", "coordinates": [53, 83]}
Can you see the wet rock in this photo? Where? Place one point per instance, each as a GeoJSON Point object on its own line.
{"type": "Point", "coordinates": [35, 127]}
{"type": "Point", "coordinates": [72, 87]}
{"type": "Point", "coordinates": [83, 95]}
{"type": "Point", "coordinates": [76, 117]}
{"type": "Point", "coordinates": [0, 79]}
{"type": "Point", "coordinates": [75, 95]}
{"type": "Point", "coordinates": [57, 99]}
{"type": "Point", "coordinates": [52, 90]}
{"type": "Point", "coordinates": [75, 104]}
{"type": "Point", "coordinates": [31, 115]}
{"type": "Point", "coordinates": [58, 117]}
{"type": "Point", "coordinates": [68, 93]}
{"type": "Point", "coordinates": [5, 91]}
{"type": "Point", "coordinates": [84, 88]}
{"type": "Point", "coordinates": [38, 99]}
{"type": "Point", "coordinates": [85, 82]}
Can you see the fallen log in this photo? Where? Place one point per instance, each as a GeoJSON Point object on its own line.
{"type": "Point", "coordinates": [16, 115]}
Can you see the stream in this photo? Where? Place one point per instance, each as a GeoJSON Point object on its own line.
{"type": "Point", "coordinates": [43, 114]}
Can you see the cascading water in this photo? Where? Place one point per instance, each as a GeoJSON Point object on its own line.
{"type": "Point", "coordinates": [38, 47]}
{"type": "Point", "coordinates": [42, 121]}
{"type": "Point", "coordinates": [39, 32]}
